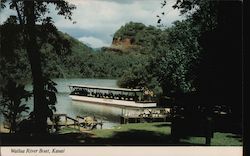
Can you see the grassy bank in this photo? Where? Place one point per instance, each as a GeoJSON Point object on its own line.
{"type": "Point", "coordinates": [160, 128]}
{"type": "Point", "coordinates": [142, 134]}
{"type": "Point", "coordinates": [160, 133]}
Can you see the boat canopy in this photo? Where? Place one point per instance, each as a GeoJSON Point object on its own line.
{"type": "Point", "coordinates": [104, 88]}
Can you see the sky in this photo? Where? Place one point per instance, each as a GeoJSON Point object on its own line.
{"type": "Point", "coordinates": [98, 20]}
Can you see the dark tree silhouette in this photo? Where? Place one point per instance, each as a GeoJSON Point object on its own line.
{"type": "Point", "coordinates": [11, 104]}
{"type": "Point", "coordinates": [219, 73]}
{"type": "Point", "coordinates": [30, 12]}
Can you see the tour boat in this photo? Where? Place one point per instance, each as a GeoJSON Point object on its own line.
{"type": "Point", "coordinates": [111, 96]}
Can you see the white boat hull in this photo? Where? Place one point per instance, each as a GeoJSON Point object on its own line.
{"type": "Point", "coordinates": [112, 101]}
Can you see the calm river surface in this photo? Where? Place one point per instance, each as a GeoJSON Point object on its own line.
{"type": "Point", "coordinates": [108, 114]}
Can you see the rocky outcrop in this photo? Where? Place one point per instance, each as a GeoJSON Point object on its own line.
{"type": "Point", "coordinates": [129, 37]}
{"type": "Point", "coordinates": [118, 42]}
{"type": "Point", "coordinates": [121, 45]}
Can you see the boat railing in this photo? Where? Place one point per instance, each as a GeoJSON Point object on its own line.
{"type": "Point", "coordinates": [107, 96]}
{"type": "Point", "coordinates": [146, 112]}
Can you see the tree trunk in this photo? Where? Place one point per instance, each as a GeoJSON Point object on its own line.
{"type": "Point", "coordinates": [40, 107]}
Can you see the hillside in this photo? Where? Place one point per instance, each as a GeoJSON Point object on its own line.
{"type": "Point", "coordinates": [134, 37]}
{"type": "Point", "coordinates": [76, 45]}
{"type": "Point", "coordinates": [62, 57]}
{"type": "Point", "coordinates": [55, 49]}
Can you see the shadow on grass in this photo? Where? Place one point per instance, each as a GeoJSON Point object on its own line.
{"type": "Point", "coordinates": [235, 131]}
{"type": "Point", "coordinates": [237, 136]}
{"type": "Point", "coordinates": [128, 138]}
{"type": "Point", "coordinates": [164, 125]}
{"type": "Point", "coordinates": [46, 139]}
{"type": "Point", "coordinates": [135, 137]}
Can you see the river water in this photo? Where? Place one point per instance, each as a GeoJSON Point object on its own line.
{"type": "Point", "coordinates": [110, 115]}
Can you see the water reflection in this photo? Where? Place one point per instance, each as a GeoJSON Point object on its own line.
{"type": "Point", "coordinates": [100, 111]}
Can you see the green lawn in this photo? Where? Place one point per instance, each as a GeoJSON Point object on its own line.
{"type": "Point", "coordinates": [219, 139]}
{"type": "Point", "coordinates": [160, 127]}
{"type": "Point", "coordinates": [159, 133]}
{"type": "Point", "coordinates": [141, 134]}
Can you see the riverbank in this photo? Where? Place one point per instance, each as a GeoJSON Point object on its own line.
{"type": "Point", "coordinates": [141, 134]}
